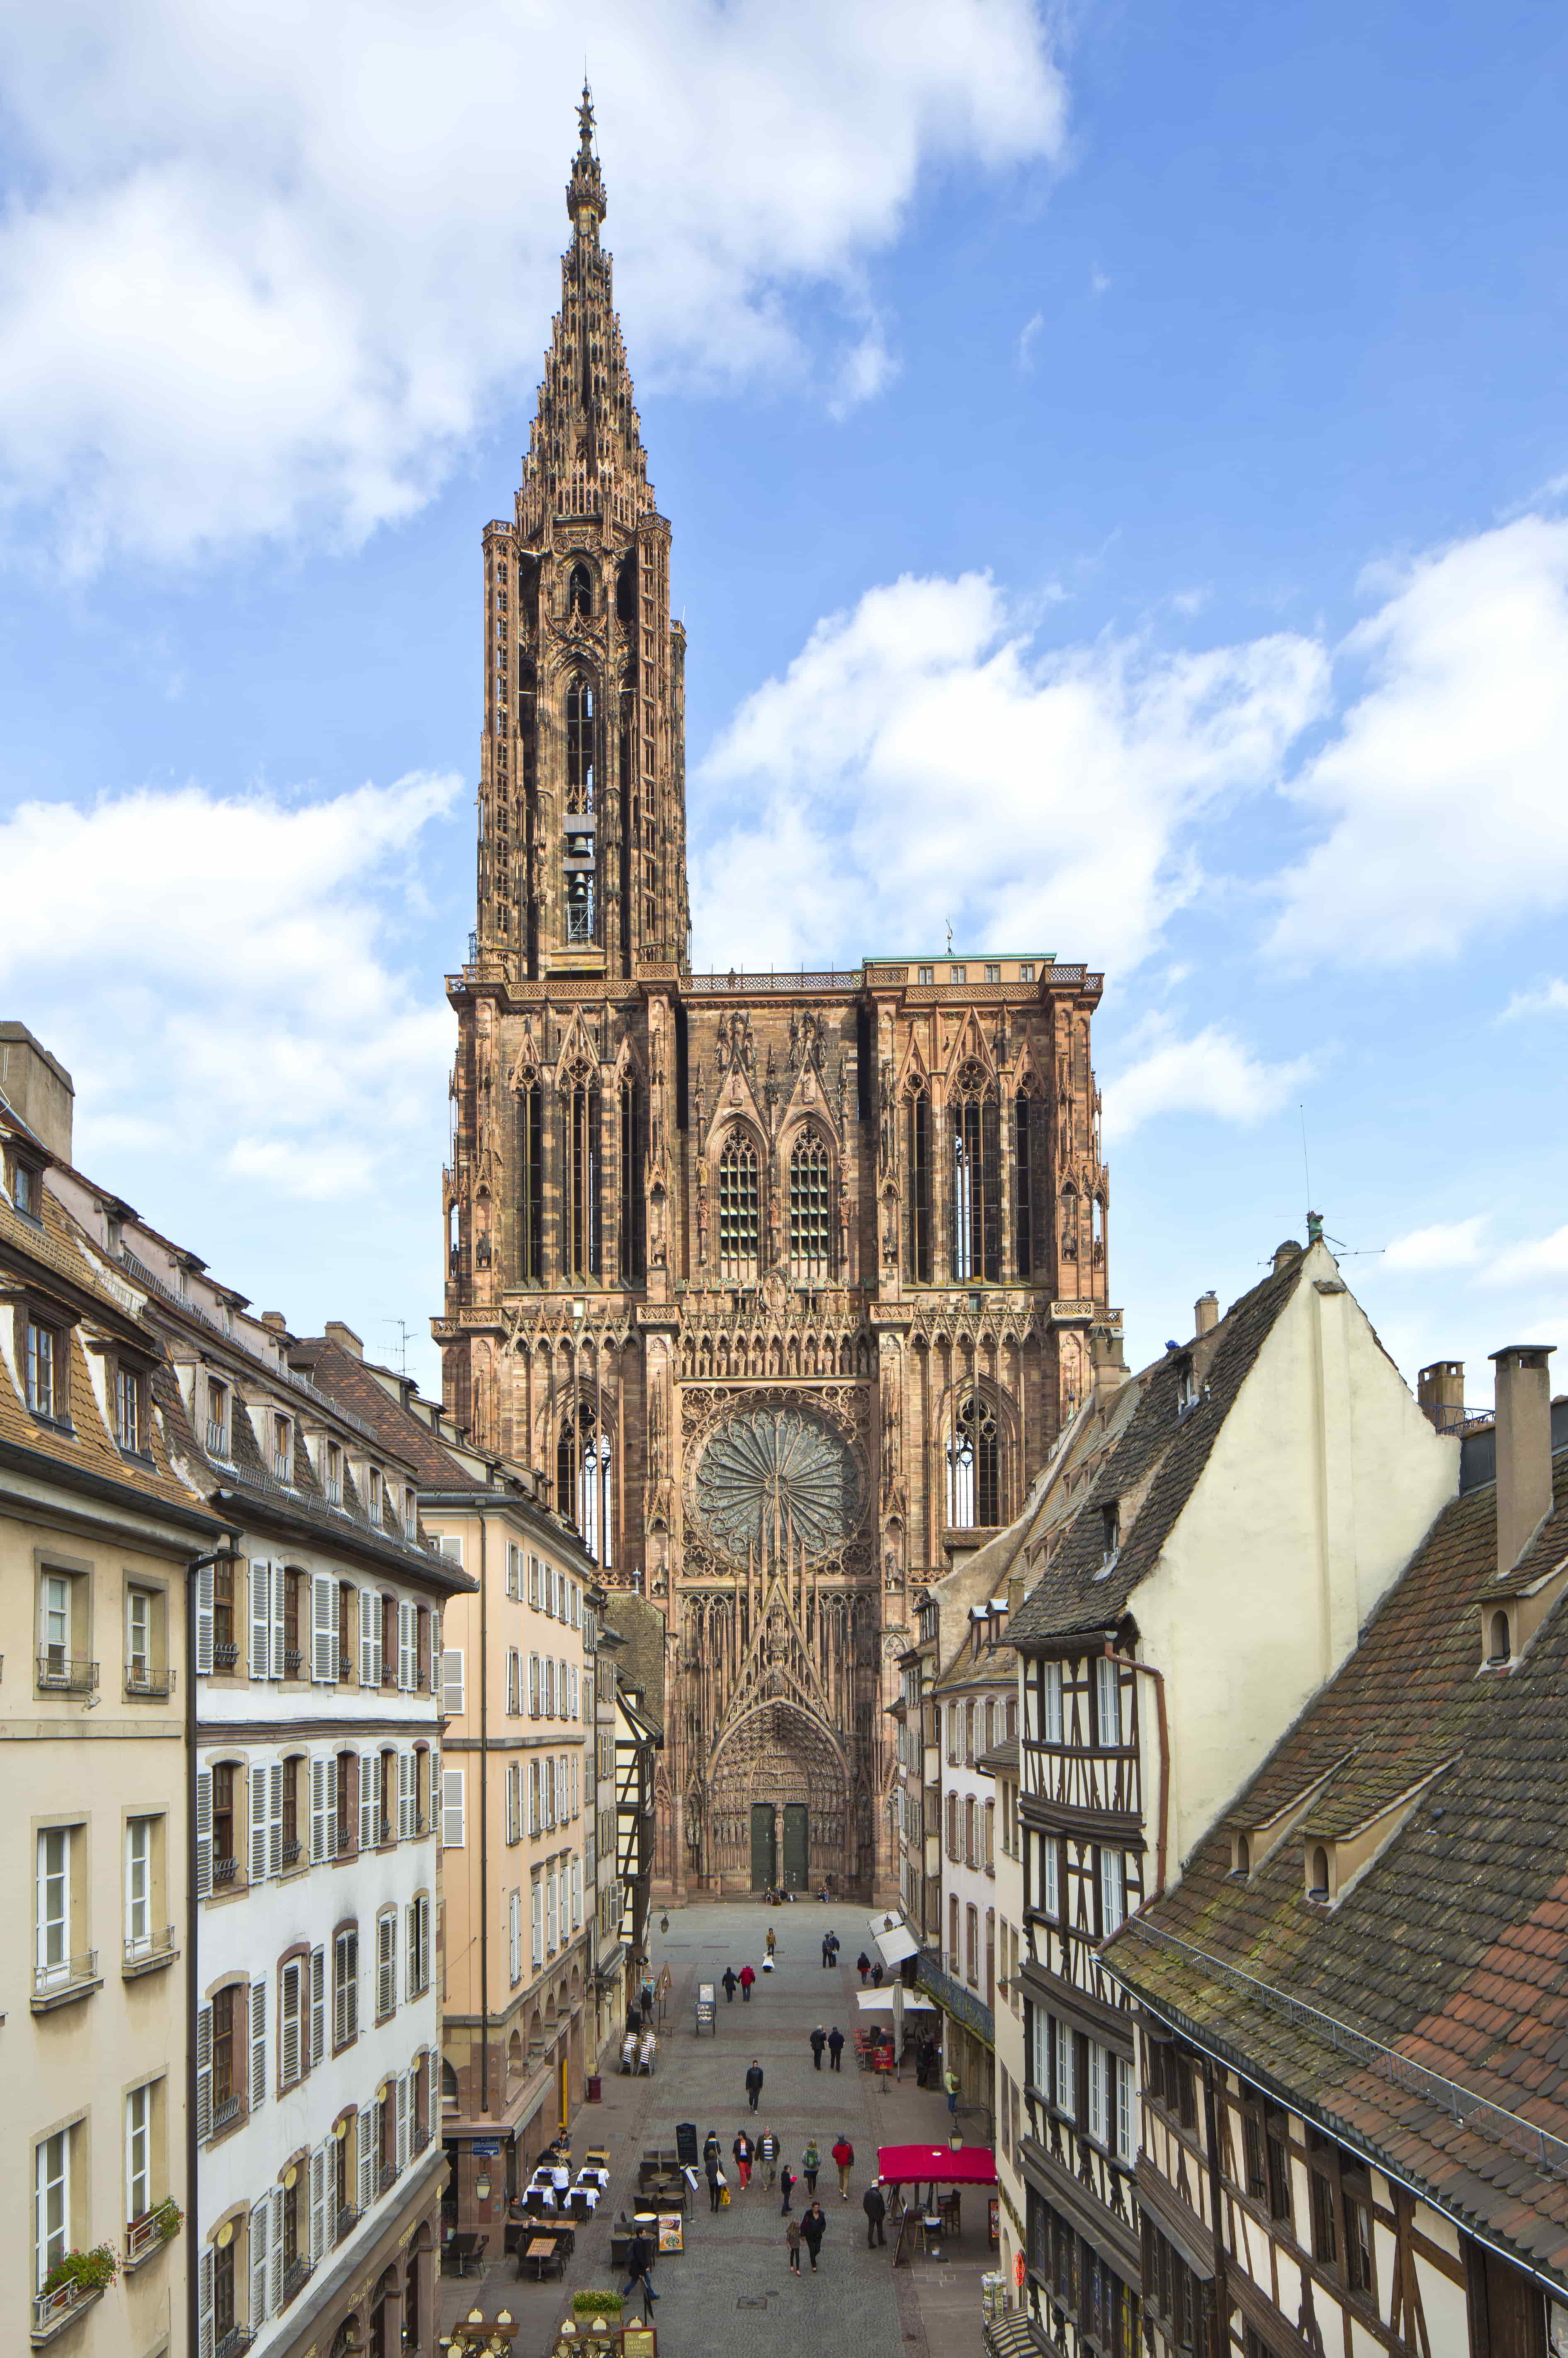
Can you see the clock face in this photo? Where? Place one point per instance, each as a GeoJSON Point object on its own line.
{"type": "Point", "coordinates": [776, 1479]}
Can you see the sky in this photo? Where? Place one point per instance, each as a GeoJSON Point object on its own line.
{"type": "Point", "coordinates": [1118, 464]}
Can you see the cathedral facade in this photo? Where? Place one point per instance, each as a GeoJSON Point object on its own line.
{"type": "Point", "coordinates": [783, 1283]}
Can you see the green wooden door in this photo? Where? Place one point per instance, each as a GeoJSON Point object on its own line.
{"type": "Point", "coordinates": [797, 1846]}
{"type": "Point", "coordinates": [764, 1846]}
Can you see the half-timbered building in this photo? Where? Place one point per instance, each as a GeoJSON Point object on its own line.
{"type": "Point", "coordinates": [1209, 1538]}
{"type": "Point", "coordinates": [976, 1704]}
{"type": "Point", "coordinates": [1354, 2131]}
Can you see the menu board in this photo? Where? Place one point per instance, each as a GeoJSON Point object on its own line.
{"type": "Point", "coordinates": [671, 2231]}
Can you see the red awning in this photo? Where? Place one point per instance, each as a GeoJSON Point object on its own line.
{"type": "Point", "coordinates": [908, 2165]}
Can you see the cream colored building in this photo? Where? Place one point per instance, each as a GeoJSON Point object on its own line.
{"type": "Point", "coordinates": [96, 1533]}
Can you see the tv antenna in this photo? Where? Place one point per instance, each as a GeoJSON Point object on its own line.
{"type": "Point", "coordinates": [404, 1332]}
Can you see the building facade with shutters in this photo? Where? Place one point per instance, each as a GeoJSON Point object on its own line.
{"type": "Point", "coordinates": [780, 1281]}
{"type": "Point", "coordinates": [976, 1703]}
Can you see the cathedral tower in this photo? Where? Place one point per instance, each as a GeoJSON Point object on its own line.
{"type": "Point", "coordinates": [782, 1284]}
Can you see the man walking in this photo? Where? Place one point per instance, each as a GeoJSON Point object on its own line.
{"type": "Point", "coordinates": [874, 2202]}
{"type": "Point", "coordinates": [836, 2047]}
{"type": "Point", "coordinates": [768, 2154]}
{"type": "Point", "coordinates": [844, 2155]}
{"type": "Point", "coordinates": [818, 2041]}
{"type": "Point", "coordinates": [810, 2163]}
{"type": "Point", "coordinates": [826, 1951]}
{"type": "Point", "coordinates": [639, 2260]}
{"type": "Point", "coordinates": [813, 2227]}
{"type": "Point", "coordinates": [729, 1978]}
{"type": "Point", "coordinates": [787, 2182]}
{"type": "Point", "coordinates": [747, 1978]}
{"type": "Point", "coordinates": [950, 2081]}
{"type": "Point", "coordinates": [753, 2083]}
{"type": "Point", "coordinates": [862, 1966]}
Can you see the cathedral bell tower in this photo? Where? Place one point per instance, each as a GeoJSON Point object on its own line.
{"type": "Point", "coordinates": [582, 789]}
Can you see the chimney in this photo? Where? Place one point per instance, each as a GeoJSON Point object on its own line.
{"type": "Point", "coordinates": [38, 1086]}
{"type": "Point", "coordinates": [1440, 1393]}
{"type": "Point", "coordinates": [1523, 1445]}
{"type": "Point", "coordinates": [1285, 1254]}
{"type": "Point", "coordinates": [1206, 1313]}
{"type": "Point", "coordinates": [1110, 1365]}
{"type": "Point", "coordinates": [275, 1320]}
{"type": "Point", "coordinates": [345, 1339]}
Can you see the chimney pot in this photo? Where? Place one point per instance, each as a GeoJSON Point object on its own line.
{"type": "Point", "coordinates": [1108, 1363]}
{"type": "Point", "coordinates": [38, 1086]}
{"type": "Point", "coordinates": [275, 1320]}
{"type": "Point", "coordinates": [1206, 1313]}
{"type": "Point", "coordinates": [1285, 1254]}
{"type": "Point", "coordinates": [345, 1339]}
{"type": "Point", "coordinates": [1523, 1445]}
{"type": "Point", "coordinates": [1440, 1394]}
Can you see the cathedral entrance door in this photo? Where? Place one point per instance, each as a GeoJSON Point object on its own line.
{"type": "Point", "coordinates": [798, 1862]}
{"type": "Point", "coordinates": [764, 1846]}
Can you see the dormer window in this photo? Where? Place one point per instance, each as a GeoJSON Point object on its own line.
{"type": "Point", "coordinates": [1110, 1535]}
{"type": "Point", "coordinates": [45, 1378]}
{"type": "Point", "coordinates": [1499, 1642]}
{"type": "Point", "coordinates": [218, 1412]}
{"type": "Point", "coordinates": [28, 1190]}
{"type": "Point", "coordinates": [282, 1449]}
{"type": "Point", "coordinates": [130, 1411]}
{"type": "Point", "coordinates": [1187, 1393]}
{"type": "Point", "coordinates": [1240, 1857]}
{"type": "Point", "coordinates": [1317, 1873]}
{"type": "Point", "coordinates": [373, 1494]}
{"type": "Point", "coordinates": [332, 1473]}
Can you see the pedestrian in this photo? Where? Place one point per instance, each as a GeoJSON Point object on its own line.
{"type": "Point", "coordinates": [787, 2185]}
{"type": "Point", "coordinates": [810, 2163]}
{"type": "Point", "coordinates": [753, 2083]}
{"type": "Point", "coordinates": [844, 2155]}
{"type": "Point", "coordinates": [818, 2041]}
{"type": "Point", "coordinates": [874, 2202]}
{"type": "Point", "coordinates": [836, 2047]}
{"type": "Point", "coordinates": [768, 2154]}
{"type": "Point", "coordinates": [729, 1984]}
{"type": "Point", "coordinates": [826, 1951]}
{"type": "Point", "coordinates": [665, 1921]}
{"type": "Point", "coordinates": [745, 2152]}
{"type": "Point", "coordinates": [715, 2180]}
{"type": "Point", "coordinates": [792, 2237]}
{"type": "Point", "coordinates": [639, 2261]}
{"type": "Point", "coordinates": [862, 1966]}
{"type": "Point", "coordinates": [772, 1941]}
{"type": "Point", "coordinates": [747, 1978]}
{"type": "Point", "coordinates": [877, 1974]}
{"type": "Point", "coordinates": [950, 2081]}
{"type": "Point", "coordinates": [813, 2227]}
{"type": "Point", "coordinates": [710, 2148]}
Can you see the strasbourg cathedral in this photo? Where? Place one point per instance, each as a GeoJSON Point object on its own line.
{"type": "Point", "coordinates": [784, 1282]}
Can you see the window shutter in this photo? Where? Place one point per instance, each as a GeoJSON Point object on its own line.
{"type": "Point", "coordinates": [433, 2083]}
{"type": "Point", "coordinates": [514, 1935]}
{"type": "Point", "coordinates": [340, 1989]}
{"type": "Point", "coordinates": [261, 1618]}
{"type": "Point", "coordinates": [203, 2074]}
{"type": "Point", "coordinates": [318, 2203]}
{"type": "Point", "coordinates": [405, 1781]}
{"type": "Point", "coordinates": [404, 2094]}
{"type": "Point", "coordinates": [257, 1778]}
{"type": "Point", "coordinates": [279, 1591]}
{"type": "Point", "coordinates": [317, 2005]}
{"type": "Point", "coordinates": [1109, 1700]}
{"type": "Point", "coordinates": [366, 2126]}
{"type": "Point", "coordinates": [435, 1645]}
{"type": "Point", "coordinates": [323, 1630]}
{"type": "Point", "coordinates": [534, 1582]}
{"type": "Point", "coordinates": [290, 2024]}
{"type": "Point", "coordinates": [370, 1621]}
{"type": "Point", "coordinates": [204, 1620]}
{"type": "Point", "coordinates": [258, 2044]}
{"type": "Point", "coordinates": [407, 1645]}
{"type": "Point", "coordinates": [532, 1686]}
{"type": "Point", "coordinates": [452, 1681]}
{"type": "Point", "coordinates": [423, 1905]}
{"type": "Point", "coordinates": [258, 2266]}
{"type": "Point", "coordinates": [204, 2307]}
{"type": "Point", "coordinates": [317, 1811]}
{"type": "Point", "coordinates": [276, 2249]}
{"type": "Point", "coordinates": [368, 1828]}
{"type": "Point", "coordinates": [433, 1796]}
{"type": "Point", "coordinates": [386, 1965]}
{"type": "Point", "coordinates": [533, 1797]}
{"type": "Point", "coordinates": [274, 1818]}
{"type": "Point", "coordinates": [203, 1834]}
{"type": "Point", "coordinates": [451, 1809]}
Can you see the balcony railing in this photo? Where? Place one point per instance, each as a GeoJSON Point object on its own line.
{"type": "Point", "coordinates": [384, 1830]}
{"type": "Point", "coordinates": [53, 2310]}
{"type": "Point", "coordinates": [224, 1870]}
{"type": "Point", "coordinates": [293, 1661]}
{"type": "Point", "coordinates": [226, 2110]}
{"type": "Point", "coordinates": [345, 1665]}
{"type": "Point", "coordinates": [282, 1466]}
{"type": "Point", "coordinates": [385, 2176]}
{"type": "Point", "coordinates": [291, 1851]}
{"type": "Point", "coordinates": [141, 1679]}
{"type": "Point", "coordinates": [224, 1657]}
{"type": "Point", "coordinates": [238, 2338]}
{"type": "Point", "coordinates": [146, 2235]}
{"type": "Point", "coordinates": [345, 1841]}
{"type": "Point", "coordinates": [346, 2221]}
{"type": "Point", "coordinates": [419, 2138]}
{"type": "Point", "coordinates": [151, 1948]}
{"type": "Point", "coordinates": [65, 1974]}
{"type": "Point", "coordinates": [217, 1439]}
{"type": "Point", "coordinates": [66, 1674]}
{"type": "Point", "coordinates": [295, 2278]}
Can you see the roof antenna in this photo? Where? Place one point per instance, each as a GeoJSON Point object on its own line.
{"type": "Point", "coordinates": [1314, 1219]}
{"type": "Point", "coordinates": [949, 923]}
{"type": "Point", "coordinates": [404, 1332]}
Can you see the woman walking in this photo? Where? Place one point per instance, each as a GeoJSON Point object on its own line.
{"type": "Point", "coordinates": [792, 2237]}
{"type": "Point", "coordinates": [844, 2155]}
{"type": "Point", "coordinates": [715, 2180]}
{"type": "Point", "coordinates": [788, 2181]}
{"type": "Point", "coordinates": [813, 2227]}
{"type": "Point", "coordinates": [745, 2152]}
{"type": "Point", "coordinates": [810, 2163]}
{"type": "Point", "coordinates": [773, 1940]}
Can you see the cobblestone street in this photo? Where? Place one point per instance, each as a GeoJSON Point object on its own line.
{"type": "Point", "coordinates": [730, 2291]}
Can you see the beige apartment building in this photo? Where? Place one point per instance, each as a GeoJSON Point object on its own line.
{"type": "Point", "coordinates": [96, 1536]}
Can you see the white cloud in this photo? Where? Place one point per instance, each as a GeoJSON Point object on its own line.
{"type": "Point", "coordinates": [1210, 1074]}
{"type": "Point", "coordinates": [920, 761]}
{"type": "Point", "coordinates": [214, 972]}
{"type": "Point", "coordinates": [1442, 784]}
{"type": "Point", "coordinates": [1541, 1257]}
{"type": "Point", "coordinates": [1551, 999]}
{"type": "Point", "coordinates": [1028, 337]}
{"type": "Point", "coordinates": [264, 271]}
{"type": "Point", "coordinates": [1452, 1244]}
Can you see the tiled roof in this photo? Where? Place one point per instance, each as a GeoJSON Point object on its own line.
{"type": "Point", "coordinates": [344, 1378]}
{"type": "Point", "coordinates": [1452, 1949]}
{"type": "Point", "coordinates": [1151, 1471]}
{"type": "Point", "coordinates": [640, 1657]}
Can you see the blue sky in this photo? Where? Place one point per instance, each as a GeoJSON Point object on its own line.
{"type": "Point", "coordinates": [1116, 462]}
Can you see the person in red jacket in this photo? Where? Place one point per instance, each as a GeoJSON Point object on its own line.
{"type": "Point", "coordinates": [844, 2155]}
{"type": "Point", "coordinates": [747, 1978]}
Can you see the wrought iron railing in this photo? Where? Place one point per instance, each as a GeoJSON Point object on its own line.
{"type": "Point", "coordinates": [224, 1870]}
{"type": "Point", "coordinates": [227, 2110]}
{"type": "Point", "coordinates": [346, 2221]}
{"type": "Point", "coordinates": [65, 1974]}
{"type": "Point", "coordinates": [66, 1674]}
{"type": "Point", "coordinates": [51, 2310]}
{"type": "Point", "coordinates": [298, 2273]}
{"type": "Point", "coordinates": [145, 1948]}
{"type": "Point", "coordinates": [224, 1657]}
{"type": "Point", "coordinates": [141, 1679]}
{"type": "Point", "coordinates": [385, 2176]}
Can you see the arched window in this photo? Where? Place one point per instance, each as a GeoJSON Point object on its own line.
{"type": "Point", "coordinates": [626, 589]}
{"type": "Point", "coordinates": [974, 1466]}
{"type": "Point", "coordinates": [1022, 1183]}
{"type": "Point", "coordinates": [585, 1480]}
{"type": "Point", "coordinates": [1502, 1644]}
{"type": "Point", "coordinates": [739, 1208]}
{"type": "Point", "coordinates": [580, 1200]}
{"type": "Point", "coordinates": [1096, 1221]}
{"type": "Point", "coordinates": [977, 1182]}
{"type": "Point", "coordinates": [1068, 1246]}
{"type": "Point", "coordinates": [530, 1186]}
{"type": "Point", "coordinates": [579, 594]}
{"type": "Point", "coordinates": [953, 1932]}
{"type": "Point", "coordinates": [808, 1212]}
{"type": "Point", "coordinates": [1317, 1874]}
{"type": "Point", "coordinates": [919, 1122]}
{"type": "Point", "coordinates": [450, 2093]}
{"type": "Point", "coordinates": [580, 744]}
{"type": "Point", "coordinates": [1243, 1855]}
{"type": "Point", "coordinates": [633, 1246]}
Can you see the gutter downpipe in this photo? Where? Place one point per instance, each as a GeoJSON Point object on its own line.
{"type": "Point", "coordinates": [192, 1961]}
{"type": "Point", "coordinates": [484, 1823]}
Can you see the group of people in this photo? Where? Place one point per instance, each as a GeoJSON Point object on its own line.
{"type": "Point", "coordinates": [762, 2157]}
{"type": "Point", "coordinates": [868, 1970]}
{"type": "Point", "coordinates": [833, 2040]}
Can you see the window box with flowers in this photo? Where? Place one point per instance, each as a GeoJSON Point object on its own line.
{"type": "Point", "coordinates": [145, 2236]}
{"type": "Point", "coordinates": [72, 2285]}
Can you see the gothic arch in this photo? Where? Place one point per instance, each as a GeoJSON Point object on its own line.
{"type": "Point", "coordinates": [965, 1408]}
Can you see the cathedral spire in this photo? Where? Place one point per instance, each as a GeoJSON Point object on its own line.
{"type": "Point", "coordinates": [586, 207]}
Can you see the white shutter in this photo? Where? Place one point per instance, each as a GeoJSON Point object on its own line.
{"type": "Point", "coordinates": [204, 2306]}
{"type": "Point", "coordinates": [407, 1645]}
{"type": "Point", "coordinates": [318, 2161]}
{"type": "Point", "coordinates": [279, 1594]}
{"type": "Point", "coordinates": [257, 1778]}
{"type": "Point", "coordinates": [370, 1622]}
{"type": "Point", "coordinates": [274, 1818]}
{"type": "Point", "coordinates": [204, 1832]}
{"type": "Point", "coordinates": [366, 2126]}
{"type": "Point", "coordinates": [317, 2005]}
{"type": "Point", "coordinates": [435, 1647]}
{"type": "Point", "coordinates": [261, 1618]}
{"type": "Point", "coordinates": [1108, 1700]}
{"type": "Point", "coordinates": [433, 2083]}
{"type": "Point", "coordinates": [514, 1935]}
{"type": "Point", "coordinates": [434, 1796]}
{"type": "Point", "coordinates": [258, 2266]}
{"type": "Point", "coordinates": [452, 1836]}
{"type": "Point", "coordinates": [452, 1681]}
{"type": "Point", "coordinates": [204, 1626]}
{"type": "Point", "coordinates": [291, 2007]}
{"type": "Point", "coordinates": [534, 1582]}
{"type": "Point", "coordinates": [368, 1828]}
{"type": "Point", "coordinates": [422, 1925]}
{"type": "Point", "coordinates": [258, 2044]}
{"type": "Point", "coordinates": [403, 2093]}
{"type": "Point", "coordinates": [323, 1630]}
{"type": "Point", "coordinates": [405, 1778]}
{"type": "Point", "coordinates": [386, 1966]}
{"type": "Point", "coordinates": [532, 1686]}
{"type": "Point", "coordinates": [319, 1770]}
{"type": "Point", "coordinates": [203, 2074]}
{"type": "Point", "coordinates": [276, 2249]}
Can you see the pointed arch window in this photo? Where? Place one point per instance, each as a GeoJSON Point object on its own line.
{"type": "Point", "coordinates": [1069, 1237]}
{"type": "Point", "coordinates": [974, 1466]}
{"type": "Point", "coordinates": [579, 594]}
{"type": "Point", "coordinates": [634, 1247]}
{"type": "Point", "coordinates": [919, 1122]}
{"type": "Point", "coordinates": [579, 743]}
{"type": "Point", "coordinates": [977, 1182]}
{"type": "Point", "coordinates": [585, 1479]}
{"type": "Point", "coordinates": [810, 1179]}
{"type": "Point", "coordinates": [739, 1208]}
{"type": "Point", "coordinates": [530, 1186]}
{"type": "Point", "coordinates": [1023, 1183]}
{"type": "Point", "coordinates": [581, 1202]}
